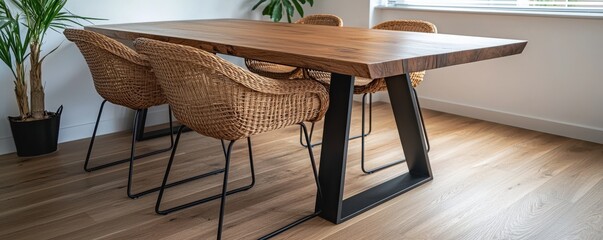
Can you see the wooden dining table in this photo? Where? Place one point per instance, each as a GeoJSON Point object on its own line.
{"type": "Point", "coordinates": [347, 53]}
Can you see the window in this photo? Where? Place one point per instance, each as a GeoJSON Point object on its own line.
{"type": "Point", "coordinates": [595, 6]}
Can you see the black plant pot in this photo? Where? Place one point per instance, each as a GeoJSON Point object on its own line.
{"type": "Point", "coordinates": [37, 137]}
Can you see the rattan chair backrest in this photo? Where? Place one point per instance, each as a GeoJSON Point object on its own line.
{"type": "Point", "coordinates": [402, 25]}
{"type": "Point", "coordinates": [407, 25]}
{"type": "Point", "coordinates": [120, 74]}
{"type": "Point", "coordinates": [219, 99]}
{"type": "Point", "coordinates": [321, 19]}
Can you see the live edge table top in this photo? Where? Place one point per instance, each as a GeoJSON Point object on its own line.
{"type": "Point", "coordinates": [352, 51]}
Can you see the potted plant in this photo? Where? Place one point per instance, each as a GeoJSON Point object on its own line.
{"type": "Point", "coordinates": [35, 130]}
{"type": "Point", "coordinates": [275, 8]}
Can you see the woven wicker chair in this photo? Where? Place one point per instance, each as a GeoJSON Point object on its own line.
{"type": "Point", "coordinates": [218, 99]}
{"type": "Point", "coordinates": [122, 77]}
{"type": "Point", "coordinates": [367, 86]}
{"type": "Point", "coordinates": [279, 71]}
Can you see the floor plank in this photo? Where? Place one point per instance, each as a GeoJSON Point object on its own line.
{"type": "Point", "coordinates": [490, 181]}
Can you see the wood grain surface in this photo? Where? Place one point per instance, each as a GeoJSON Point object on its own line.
{"type": "Point", "coordinates": [491, 182]}
{"type": "Point", "coordinates": [353, 51]}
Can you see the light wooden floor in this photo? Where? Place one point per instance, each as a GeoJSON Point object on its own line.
{"type": "Point", "coordinates": [491, 182]}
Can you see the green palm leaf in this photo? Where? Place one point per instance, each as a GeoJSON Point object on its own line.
{"type": "Point", "coordinates": [277, 12]}
{"type": "Point", "coordinates": [275, 8]}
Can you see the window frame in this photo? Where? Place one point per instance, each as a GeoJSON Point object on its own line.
{"type": "Point", "coordinates": [597, 12]}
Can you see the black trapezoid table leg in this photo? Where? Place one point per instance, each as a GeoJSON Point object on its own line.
{"type": "Point", "coordinates": [409, 121]}
{"type": "Point", "coordinates": [334, 152]}
{"type": "Point", "coordinates": [334, 149]}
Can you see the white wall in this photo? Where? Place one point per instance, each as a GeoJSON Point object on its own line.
{"type": "Point", "coordinates": [355, 13]}
{"type": "Point", "coordinates": [554, 86]}
{"type": "Point", "coordinates": [66, 76]}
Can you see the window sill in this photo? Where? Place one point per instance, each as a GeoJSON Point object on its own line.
{"type": "Point", "coordinates": [498, 12]}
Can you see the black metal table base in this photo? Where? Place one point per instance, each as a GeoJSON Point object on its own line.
{"type": "Point", "coordinates": [370, 198]}
{"type": "Point", "coordinates": [335, 143]}
{"type": "Point", "coordinates": [364, 134]}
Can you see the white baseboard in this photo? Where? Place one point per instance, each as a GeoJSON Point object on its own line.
{"type": "Point", "coordinates": [159, 116]}
{"type": "Point", "coordinates": [570, 130]}
{"type": "Point", "coordinates": [107, 126]}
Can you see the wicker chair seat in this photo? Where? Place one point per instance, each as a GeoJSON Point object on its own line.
{"type": "Point", "coordinates": [273, 70]}
{"type": "Point", "coordinates": [218, 99]}
{"type": "Point", "coordinates": [120, 74]}
{"type": "Point", "coordinates": [367, 85]}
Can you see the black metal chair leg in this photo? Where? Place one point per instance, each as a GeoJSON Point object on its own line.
{"type": "Point", "coordinates": [319, 192]}
{"type": "Point", "coordinates": [301, 142]}
{"type": "Point", "coordinates": [133, 157]}
{"type": "Point", "coordinates": [223, 147]}
{"type": "Point", "coordinates": [224, 188]}
{"type": "Point", "coordinates": [362, 160]}
{"type": "Point", "coordinates": [100, 112]}
{"type": "Point", "coordinates": [370, 112]}
{"type": "Point", "coordinates": [351, 138]}
{"type": "Point", "coordinates": [362, 142]}
{"type": "Point", "coordinates": [164, 184]}
{"type": "Point", "coordinates": [88, 155]}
